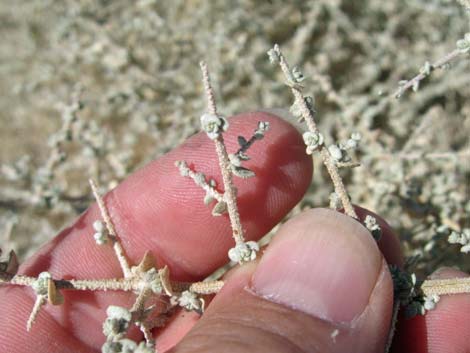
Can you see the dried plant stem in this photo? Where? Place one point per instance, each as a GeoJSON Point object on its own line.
{"type": "Point", "coordinates": [206, 187]}
{"type": "Point", "coordinates": [118, 249]}
{"type": "Point", "coordinates": [417, 155]}
{"type": "Point", "coordinates": [41, 300]}
{"type": "Point", "coordinates": [122, 284]}
{"type": "Point", "coordinates": [138, 313]}
{"type": "Point", "coordinates": [139, 303]}
{"type": "Point", "coordinates": [446, 286]}
{"type": "Point", "coordinates": [338, 183]}
{"type": "Point", "coordinates": [422, 75]}
{"type": "Point", "coordinates": [208, 287]}
{"type": "Point", "coordinates": [348, 164]}
{"type": "Point", "coordinates": [308, 116]}
{"type": "Point", "coordinates": [230, 192]}
{"type": "Point", "coordinates": [146, 331]}
{"type": "Point", "coordinates": [139, 279]}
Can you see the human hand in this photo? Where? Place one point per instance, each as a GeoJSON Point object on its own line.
{"type": "Point", "coordinates": [322, 285]}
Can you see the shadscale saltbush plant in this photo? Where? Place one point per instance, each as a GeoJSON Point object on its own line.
{"type": "Point", "coordinates": [146, 280]}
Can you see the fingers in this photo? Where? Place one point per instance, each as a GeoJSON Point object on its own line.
{"type": "Point", "coordinates": [157, 209]}
{"type": "Point", "coordinates": [183, 322]}
{"type": "Point", "coordinates": [322, 285]}
{"type": "Point", "coordinates": [443, 329]}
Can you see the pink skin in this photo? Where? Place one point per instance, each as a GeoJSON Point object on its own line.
{"type": "Point", "coordinates": [444, 329]}
{"type": "Point", "coordinates": [156, 209]}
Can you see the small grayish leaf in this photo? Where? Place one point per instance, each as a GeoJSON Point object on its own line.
{"type": "Point", "coordinates": [208, 199]}
{"type": "Point", "coordinates": [219, 209]}
{"type": "Point", "coordinates": [242, 172]}
{"type": "Point", "coordinates": [242, 141]}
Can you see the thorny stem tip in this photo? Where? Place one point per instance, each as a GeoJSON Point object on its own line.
{"type": "Point", "coordinates": [40, 301]}
{"type": "Point", "coordinates": [118, 249]}
{"type": "Point", "coordinates": [230, 193]}
{"type": "Point", "coordinates": [308, 115]}
{"type": "Point", "coordinates": [414, 82]}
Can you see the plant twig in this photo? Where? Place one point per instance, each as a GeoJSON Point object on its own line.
{"type": "Point", "coordinates": [40, 301]}
{"type": "Point", "coordinates": [415, 81]}
{"type": "Point", "coordinates": [118, 249]}
{"type": "Point", "coordinates": [307, 114]}
{"type": "Point", "coordinates": [199, 180]}
{"type": "Point", "coordinates": [111, 284]}
{"type": "Point", "coordinates": [446, 286]}
{"type": "Point", "coordinates": [230, 193]}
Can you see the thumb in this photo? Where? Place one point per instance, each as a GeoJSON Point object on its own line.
{"type": "Point", "coordinates": [321, 286]}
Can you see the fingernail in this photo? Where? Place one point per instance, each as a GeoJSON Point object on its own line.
{"type": "Point", "coordinates": [322, 263]}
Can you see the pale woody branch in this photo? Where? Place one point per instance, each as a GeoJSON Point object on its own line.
{"type": "Point", "coordinates": [199, 179]}
{"type": "Point", "coordinates": [446, 286]}
{"type": "Point", "coordinates": [463, 48]}
{"type": "Point", "coordinates": [111, 284]}
{"type": "Point", "coordinates": [214, 125]}
{"type": "Point", "coordinates": [307, 114]}
{"type": "Point", "coordinates": [144, 280]}
{"type": "Point", "coordinates": [112, 232]}
{"type": "Point", "coordinates": [225, 167]}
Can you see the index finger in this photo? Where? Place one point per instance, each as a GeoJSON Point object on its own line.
{"type": "Point", "coordinates": [156, 209]}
